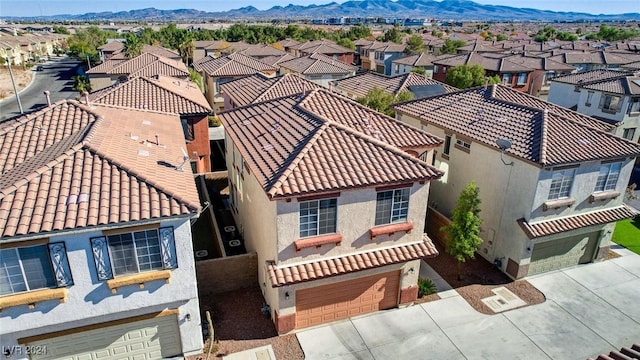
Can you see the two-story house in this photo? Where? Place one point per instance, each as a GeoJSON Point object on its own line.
{"type": "Point", "coordinates": [332, 197]}
{"type": "Point", "coordinates": [216, 71]}
{"type": "Point", "coordinates": [318, 68]}
{"type": "Point", "coordinates": [406, 64]}
{"type": "Point", "coordinates": [565, 90]}
{"type": "Point", "coordinates": [96, 259]}
{"type": "Point", "coordinates": [171, 96]}
{"type": "Point", "coordinates": [551, 180]}
{"type": "Point", "coordinates": [147, 64]}
{"type": "Point", "coordinates": [384, 55]}
{"type": "Point", "coordinates": [259, 88]}
{"type": "Point", "coordinates": [615, 100]}
{"type": "Point", "coordinates": [325, 47]}
{"type": "Point", "coordinates": [418, 85]}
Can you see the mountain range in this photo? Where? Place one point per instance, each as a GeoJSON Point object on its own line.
{"type": "Point", "coordinates": [443, 10]}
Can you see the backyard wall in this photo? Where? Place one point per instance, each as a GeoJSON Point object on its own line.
{"type": "Point", "coordinates": [435, 221]}
{"type": "Point", "coordinates": [216, 276]}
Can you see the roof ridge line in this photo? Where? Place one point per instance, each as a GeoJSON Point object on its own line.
{"type": "Point", "coordinates": [543, 137]}
{"type": "Point", "coordinates": [128, 169]}
{"type": "Point", "coordinates": [162, 86]}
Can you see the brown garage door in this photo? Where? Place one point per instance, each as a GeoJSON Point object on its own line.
{"type": "Point", "coordinates": [345, 299]}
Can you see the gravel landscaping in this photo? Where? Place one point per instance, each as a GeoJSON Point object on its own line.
{"type": "Point", "coordinates": [479, 277]}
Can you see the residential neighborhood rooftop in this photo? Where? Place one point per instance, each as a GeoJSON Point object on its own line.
{"type": "Point", "coordinates": [70, 166]}
{"type": "Point", "coordinates": [545, 135]}
{"type": "Point", "coordinates": [235, 64]}
{"type": "Point", "coordinates": [361, 84]}
{"type": "Point", "coordinates": [304, 145]}
{"type": "Point", "coordinates": [258, 88]}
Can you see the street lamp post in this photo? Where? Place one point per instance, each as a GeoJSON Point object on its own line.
{"type": "Point", "coordinates": [15, 90]}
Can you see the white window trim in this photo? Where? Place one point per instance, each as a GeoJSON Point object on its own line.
{"type": "Point", "coordinates": [560, 196]}
{"type": "Point", "coordinates": [318, 221]}
{"type": "Point", "coordinates": [393, 203]}
{"type": "Point", "coordinates": [135, 249]}
{"type": "Point", "coordinates": [607, 177]}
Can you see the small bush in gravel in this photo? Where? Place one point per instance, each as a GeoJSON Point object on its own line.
{"type": "Point", "coordinates": [426, 287]}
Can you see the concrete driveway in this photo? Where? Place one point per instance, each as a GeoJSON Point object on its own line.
{"type": "Point", "coordinates": [590, 309]}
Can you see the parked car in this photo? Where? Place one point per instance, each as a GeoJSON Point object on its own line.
{"type": "Point", "coordinates": [39, 68]}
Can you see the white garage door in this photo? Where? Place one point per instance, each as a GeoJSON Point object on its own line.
{"type": "Point", "coordinates": [155, 338]}
{"type": "Point", "coordinates": [562, 253]}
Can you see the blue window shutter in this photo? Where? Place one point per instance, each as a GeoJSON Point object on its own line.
{"type": "Point", "coordinates": [60, 264]}
{"type": "Point", "coordinates": [100, 250]}
{"type": "Point", "coordinates": [168, 246]}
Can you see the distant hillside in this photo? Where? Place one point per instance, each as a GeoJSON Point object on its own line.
{"type": "Point", "coordinates": [445, 10]}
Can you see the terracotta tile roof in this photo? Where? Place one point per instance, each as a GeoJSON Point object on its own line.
{"type": "Point", "coordinates": [322, 46]}
{"type": "Point", "coordinates": [540, 132]}
{"type": "Point", "coordinates": [83, 166]}
{"type": "Point", "coordinates": [112, 46]}
{"type": "Point", "coordinates": [146, 64]}
{"type": "Point", "coordinates": [292, 150]}
{"type": "Point", "coordinates": [629, 85]}
{"type": "Point", "coordinates": [260, 50]}
{"type": "Point", "coordinates": [162, 93]}
{"type": "Point", "coordinates": [320, 269]}
{"type": "Point", "coordinates": [422, 59]}
{"type": "Point", "coordinates": [235, 64]}
{"type": "Point", "coordinates": [275, 60]}
{"type": "Point", "coordinates": [555, 226]}
{"type": "Point", "coordinates": [599, 57]}
{"type": "Point", "coordinates": [258, 88]}
{"type": "Point", "coordinates": [318, 64]}
{"type": "Point", "coordinates": [486, 62]}
{"type": "Point", "coordinates": [480, 46]}
{"type": "Point", "coordinates": [360, 85]}
{"type": "Point", "coordinates": [587, 77]}
{"type": "Point", "coordinates": [288, 42]}
{"type": "Point", "coordinates": [540, 63]}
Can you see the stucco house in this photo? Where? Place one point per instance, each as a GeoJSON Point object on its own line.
{"type": "Point", "coordinates": [171, 96]}
{"type": "Point", "coordinates": [611, 96]}
{"type": "Point", "coordinates": [96, 258]}
{"type": "Point", "coordinates": [258, 88]}
{"type": "Point", "coordinates": [406, 64]}
{"type": "Point", "coordinates": [332, 197]}
{"type": "Point", "coordinates": [318, 68]}
{"type": "Point", "coordinates": [147, 64]}
{"type": "Point", "coordinates": [551, 180]}
{"type": "Point", "coordinates": [418, 85]}
{"type": "Point", "coordinates": [216, 71]}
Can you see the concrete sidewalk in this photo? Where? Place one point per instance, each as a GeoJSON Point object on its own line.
{"type": "Point", "coordinates": [590, 309]}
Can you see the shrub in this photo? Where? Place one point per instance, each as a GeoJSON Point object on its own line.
{"type": "Point", "coordinates": [214, 121]}
{"type": "Point", "coordinates": [426, 287]}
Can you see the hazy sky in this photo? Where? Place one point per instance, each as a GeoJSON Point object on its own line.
{"type": "Point", "coordinates": [54, 7]}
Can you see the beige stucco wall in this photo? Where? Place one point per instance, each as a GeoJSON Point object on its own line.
{"type": "Point", "coordinates": [256, 220]}
{"type": "Point", "coordinates": [506, 192]}
{"type": "Point", "coordinates": [356, 215]}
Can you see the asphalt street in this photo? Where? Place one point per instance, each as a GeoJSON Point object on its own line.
{"type": "Point", "coordinates": [56, 76]}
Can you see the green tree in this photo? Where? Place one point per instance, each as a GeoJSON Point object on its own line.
{"type": "Point", "coordinates": [419, 70]}
{"type": "Point", "coordinates": [81, 84]}
{"type": "Point", "coordinates": [463, 233]}
{"type": "Point", "coordinates": [380, 100]}
{"type": "Point", "coordinates": [59, 29]}
{"type": "Point", "coordinates": [346, 42]}
{"type": "Point", "coordinates": [133, 46]}
{"type": "Point", "coordinates": [393, 35]}
{"type": "Point", "coordinates": [415, 45]}
{"type": "Point", "coordinates": [196, 78]}
{"type": "Point", "coordinates": [466, 76]}
{"type": "Point", "coordinates": [186, 51]}
{"type": "Point", "coordinates": [501, 37]}
{"type": "Point", "coordinates": [451, 46]}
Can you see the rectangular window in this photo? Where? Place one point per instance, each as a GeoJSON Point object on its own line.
{"type": "Point", "coordinates": [187, 129]}
{"type": "Point", "coordinates": [589, 96]}
{"type": "Point", "coordinates": [135, 252]}
{"type": "Point", "coordinates": [610, 103]}
{"type": "Point", "coordinates": [447, 145]}
{"type": "Point", "coordinates": [522, 78]}
{"type": "Point", "coordinates": [634, 105]}
{"type": "Point", "coordinates": [435, 69]}
{"type": "Point", "coordinates": [608, 176]}
{"type": "Point", "coordinates": [25, 269]}
{"type": "Point", "coordinates": [463, 144]}
{"type": "Point", "coordinates": [629, 133]}
{"type": "Point", "coordinates": [506, 79]}
{"type": "Point", "coordinates": [561, 184]}
{"type": "Point", "coordinates": [392, 206]}
{"type": "Point", "coordinates": [318, 217]}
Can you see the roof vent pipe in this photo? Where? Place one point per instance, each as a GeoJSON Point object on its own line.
{"type": "Point", "coordinates": [158, 140]}
{"type": "Point", "coordinates": [46, 94]}
{"type": "Point", "coordinates": [86, 98]}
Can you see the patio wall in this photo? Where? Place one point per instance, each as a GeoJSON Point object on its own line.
{"type": "Point", "coordinates": [436, 220]}
{"type": "Point", "coordinates": [226, 274]}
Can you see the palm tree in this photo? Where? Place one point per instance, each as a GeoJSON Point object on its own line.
{"type": "Point", "coordinates": [133, 46]}
{"type": "Point", "coordinates": [186, 50]}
